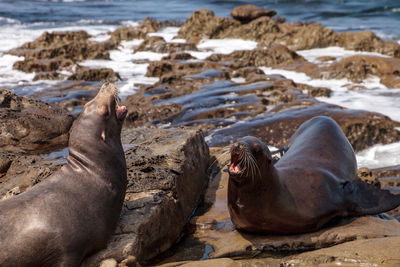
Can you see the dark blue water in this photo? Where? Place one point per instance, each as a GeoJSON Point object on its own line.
{"type": "Point", "coordinates": [380, 16]}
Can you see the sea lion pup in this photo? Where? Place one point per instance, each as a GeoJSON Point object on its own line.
{"type": "Point", "coordinates": [74, 211]}
{"type": "Point", "coordinates": [314, 182]}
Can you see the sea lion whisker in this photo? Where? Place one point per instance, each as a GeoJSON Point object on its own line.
{"type": "Point", "coordinates": [256, 165]}
{"type": "Point", "coordinates": [218, 159]}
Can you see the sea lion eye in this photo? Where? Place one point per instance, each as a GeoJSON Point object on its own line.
{"type": "Point", "coordinates": [256, 148]}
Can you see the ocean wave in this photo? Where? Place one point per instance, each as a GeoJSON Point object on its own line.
{"type": "Point", "coordinates": [4, 20]}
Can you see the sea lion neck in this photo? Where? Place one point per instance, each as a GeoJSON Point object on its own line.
{"type": "Point", "coordinates": [97, 132]}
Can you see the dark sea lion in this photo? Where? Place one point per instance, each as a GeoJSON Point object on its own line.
{"type": "Point", "coordinates": [74, 211]}
{"type": "Point", "coordinates": [314, 182]}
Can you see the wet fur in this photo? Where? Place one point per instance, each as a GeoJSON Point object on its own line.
{"type": "Point", "coordinates": [73, 212]}
{"type": "Point", "coordinates": [314, 182]}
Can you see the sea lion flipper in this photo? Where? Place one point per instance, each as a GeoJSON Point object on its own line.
{"type": "Point", "coordinates": [367, 199]}
{"type": "Point", "coordinates": [277, 154]}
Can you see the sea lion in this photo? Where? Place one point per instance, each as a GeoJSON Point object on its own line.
{"type": "Point", "coordinates": [75, 210]}
{"type": "Point", "coordinates": [314, 182]}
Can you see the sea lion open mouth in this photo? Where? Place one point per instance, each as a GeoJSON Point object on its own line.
{"type": "Point", "coordinates": [236, 167]}
{"type": "Point", "coordinates": [121, 112]}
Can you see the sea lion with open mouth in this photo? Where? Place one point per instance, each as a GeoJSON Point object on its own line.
{"type": "Point", "coordinates": [314, 182]}
{"type": "Point", "coordinates": [74, 211]}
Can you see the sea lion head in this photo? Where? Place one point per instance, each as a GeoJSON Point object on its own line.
{"type": "Point", "coordinates": [249, 158]}
{"type": "Point", "coordinates": [100, 121]}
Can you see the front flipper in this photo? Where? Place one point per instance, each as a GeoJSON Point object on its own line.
{"type": "Point", "coordinates": [366, 199]}
{"type": "Point", "coordinates": [280, 151]}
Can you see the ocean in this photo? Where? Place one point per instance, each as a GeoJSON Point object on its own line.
{"type": "Point", "coordinates": [22, 21]}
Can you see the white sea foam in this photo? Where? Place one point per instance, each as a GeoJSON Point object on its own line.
{"type": "Point", "coordinates": [122, 62]}
{"type": "Point", "coordinates": [102, 37]}
{"type": "Point", "coordinates": [238, 80]}
{"type": "Point", "coordinates": [338, 53]}
{"type": "Point", "coordinates": [376, 97]}
{"type": "Point", "coordinates": [379, 156]}
{"type": "Point", "coordinates": [8, 76]}
{"type": "Point", "coordinates": [226, 46]}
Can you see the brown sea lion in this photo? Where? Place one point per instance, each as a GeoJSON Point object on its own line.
{"type": "Point", "coordinates": [314, 182]}
{"type": "Point", "coordinates": [74, 211]}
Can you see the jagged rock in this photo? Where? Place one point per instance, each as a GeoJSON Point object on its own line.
{"type": "Point", "coordinates": [159, 45]}
{"type": "Point", "coordinates": [274, 56]}
{"type": "Point", "coordinates": [204, 24]}
{"type": "Point", "coordinates": [99, 75]}
{"type": "Point", "coordinates": [140, 32]}
{"type": "Point", "coordinates": [366, 175]}
{"type": "Point", "coordinates": [246, 13]}
{"type": "Point", "coordinates": [178, 56]}
{"type": "Point", "coordinates": [27, 124]}
{"type": "Point", "coordinates": [359, 67]}
{"type": "Point", "coordinates": [43, 65]}
{"type": "Point", "coordinates": [160, 68]}
{"type": "Point", "coordinates": [75, 46]}
{"type": "Point", "coordinates": [368, 41]}
{"type": "Point", "coordinates": [166, 176]}
{"type": "Point", "coordinates": [57, 51]}
{"type": "Point", "coordinates": [24, 171]}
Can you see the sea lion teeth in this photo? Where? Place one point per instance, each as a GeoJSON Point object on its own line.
{"type": "Point", "coordinates": [313, 182]}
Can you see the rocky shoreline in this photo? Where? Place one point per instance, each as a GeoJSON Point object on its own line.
{"type": "Point", "coordinates": [197, 104]}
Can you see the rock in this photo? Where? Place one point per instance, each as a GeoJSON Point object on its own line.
{"type": "Point", "coordinates": [362, 128]}
{"type": "Point", "coordinates": [157, 44]}
{"type": "Point", "coordinates": [273, 56]}
{"type": "Point", "coordinates": [51, 75]}
{"type": "Point", "coordinates": [28, 125]}
{"type": "Point", "coordinates": [99, 75]}
{"type": "Point", "coordinates": [68, 45]}
{"type": "Point", "coordinates": [178, 56]}
{"type": "Point", "coordinates": [129, 33]}
{"type": "Point", "coordinates": [69, 94]}
{"type": "Point", "coordinates": [53, 52]}
{"type": "Point", "coordinates": [160, 68]}
{"type": "Point", "coordinates": [319, 91]}
{"type": "Point", "coordinates": [24, 171]}
{"type": "Point", "coordinates": [366, 175]}
{"type": "Point", "coordinates": [326, 58]}
{"type": "Point", "coordinates": [247, 13]}
{"type": "Point", "coordinates": [368, 41]}
{"type": "Point", "coordinates": [43, 65]}
{"type": "Point", "coordinates": [376, 251]}
{"type": "Point", "coordinates": [300, 36]}
{"type": "Point", "coordinates": [389, 178]}
{"type": "Point", "coordinates": [204, 24]}
{"type": "Point", "coordinates": [357, 68]}
{"type": "Point", "coordinates": [166, 176]}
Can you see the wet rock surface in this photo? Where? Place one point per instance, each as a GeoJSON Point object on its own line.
{"type": "Point", "coordinates": [27, 124]}
{"type": "Point", "coordinates": [247, 13]}
{"type": "Point", "coordinates": [159, 45]}
{"type": "Point", "coordinates": [167, 174]}
{"type": "Point", "coordinates": [99, 75]}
